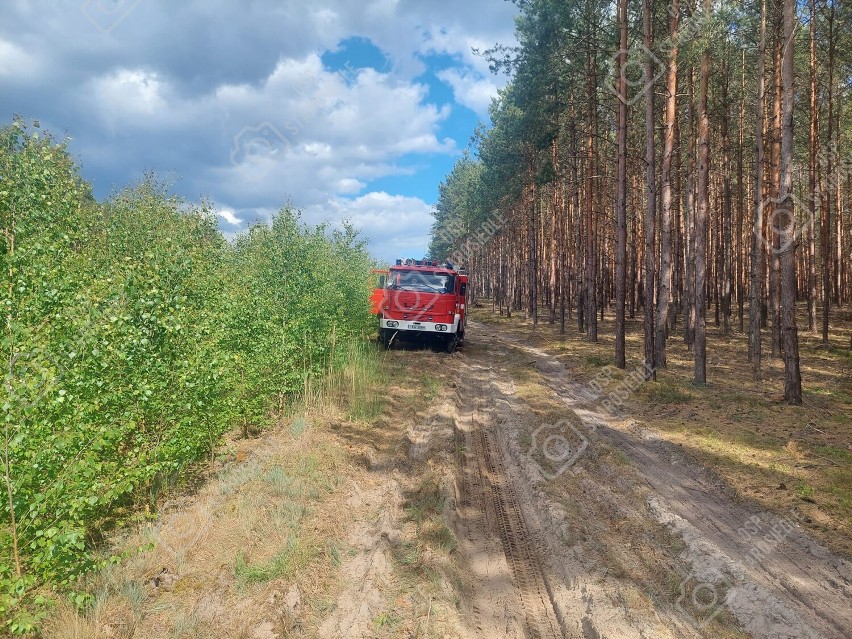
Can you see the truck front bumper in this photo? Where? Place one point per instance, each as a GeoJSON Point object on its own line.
{"type": "Point", "coordinates": [414, 326]}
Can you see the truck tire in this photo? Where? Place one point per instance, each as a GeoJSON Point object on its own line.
{"type": "Point", "coordinates": [452, 343]}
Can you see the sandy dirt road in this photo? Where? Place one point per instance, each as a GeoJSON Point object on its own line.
{"type": "Point", "coordinates": [578, 523]}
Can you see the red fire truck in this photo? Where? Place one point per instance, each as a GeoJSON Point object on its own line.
{"type": "Point", "coordinates": [423, 300]}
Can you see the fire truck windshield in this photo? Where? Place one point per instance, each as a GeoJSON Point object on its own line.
{"type": "Point", "coordinates": [423, 281]}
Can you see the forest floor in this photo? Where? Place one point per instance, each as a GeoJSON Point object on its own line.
{"type": "Point", "coordinates": [519, 488]}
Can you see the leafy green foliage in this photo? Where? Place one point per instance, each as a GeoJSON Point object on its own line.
{"type": "Point", "coordinates": [133, 337]}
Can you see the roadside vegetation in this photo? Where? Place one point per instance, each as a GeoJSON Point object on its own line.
{"type": "Point", "coordinates": [134, 338]}
{"type": "Point", "coordinates": [325, 522]}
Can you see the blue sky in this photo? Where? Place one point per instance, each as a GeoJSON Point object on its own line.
{"type": "Point", "coordinates": [351, 111]}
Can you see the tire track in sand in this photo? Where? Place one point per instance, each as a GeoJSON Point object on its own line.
{"type": "Point", "coordinates": [487, 490]}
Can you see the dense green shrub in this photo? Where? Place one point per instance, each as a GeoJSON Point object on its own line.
{"type": "Point", "coordinates": [133, 337]}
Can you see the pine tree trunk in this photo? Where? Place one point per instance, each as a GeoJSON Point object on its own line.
{"type": "Point", "coordinates": [838, 212]}
{"type": "Point", "coordinates": [792, 374]}
{"type": "Point", "coordinates": [774, 193]}
{"type": "Point", "coordinates": [689, 223]}
{"type": "Point", "coordinates": [813, 148]}
{"type": "Point", "coordinates": [579, 256]}
{"type": "Point", "coordinates": [634, 251]}
{"type": "Point", "coordinates": [679, 279]}
{"type": "Point", "coordinates": [825, 203]}
{"type": "Point", "coordinates": [725, 245]}
{"type": "Point", "coordinates": [621, 188]}
{"type": "Point", "coordinates": [532, 212]}
{"type": "Point", "coordinates": [651, 199]}
{"type": "Point", "coordinates": [741, 245]}
{"type": "Point", "coordinates": [701, 215]}
{"type": "Point", "coordinates": [591, 252]}
{"type": "Point", "coordinates": [665, 285]}
{"type": "Point", "coordinates": [757, 261]}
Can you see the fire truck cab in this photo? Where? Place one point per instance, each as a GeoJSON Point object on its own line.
{"type": "Point", "coordinates": [423, 300]}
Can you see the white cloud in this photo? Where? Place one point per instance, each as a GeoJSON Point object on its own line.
{"type": "Point", "coordinates": [309, 133]}
{"type": "Point", "coordinates": [14, 61]}
{"type": "Point", "coordinates": [229, 216]}
{"type": "Point", "coordinates": [395, 225]}
{"type": "Point", "coordinates": [348, 186]}
{"type": "Point", "coordinates": [128, 93]}
{"type": "Point", "coordinates": [471, 89]}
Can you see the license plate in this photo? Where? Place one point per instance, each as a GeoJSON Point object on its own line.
{"type": "Point", "coordinates": [417, 327]}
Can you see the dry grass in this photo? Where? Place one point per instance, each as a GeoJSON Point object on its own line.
{"type": "Point", "coordinates": [213, 565]}
{"type": "Point", "coordinates": [422, 599]}
{"type": "Point", "coordinates": [784, 457]}
{"type": "Point", "coordinates": [354, 391]}
{"type": "Point", "coordinates": [265, 528]}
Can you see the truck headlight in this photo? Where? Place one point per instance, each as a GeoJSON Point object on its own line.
{"type": "Point", "coordinates": [392, 324]}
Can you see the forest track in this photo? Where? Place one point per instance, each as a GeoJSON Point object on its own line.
{"type": "Point", "coordinates": [776, 580]}
{"type": "Point", "coordinates": [486, 488]}
{"type": "Point", "coordinates": [533, 572]}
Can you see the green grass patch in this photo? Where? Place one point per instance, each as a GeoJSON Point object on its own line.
{"type": "Point", "coordinates": [595, 361]}
{"type": "Point", "coordinates": [665, 393]}
{"type": "Point", "coordinates": [833, 452]}
{"type": "Point", "coordinates": [386, 620]}
{"type": "Point", "coordinates": [353, 387]}
{"type": "Point", "coordinates": [431, 387]}
{"type": "Point", "coordinates": [843, 354]}
{"type": "Point", "coordinates": [287, 563]}
{"type": "Point", "coordinates": [804, 491]}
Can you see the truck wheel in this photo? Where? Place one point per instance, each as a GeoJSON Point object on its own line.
{"type": "Point", "coordinates": [452, 343]}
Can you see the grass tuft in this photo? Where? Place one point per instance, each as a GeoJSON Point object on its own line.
{"type": "Point", "coordinates": [288, 562]}
{"type": "Point", "coordinates": [594, 361]}
{"type": "Point", "coordinates": [353, 387]}
{"type": "Point", "coordinates": [666, 393]}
